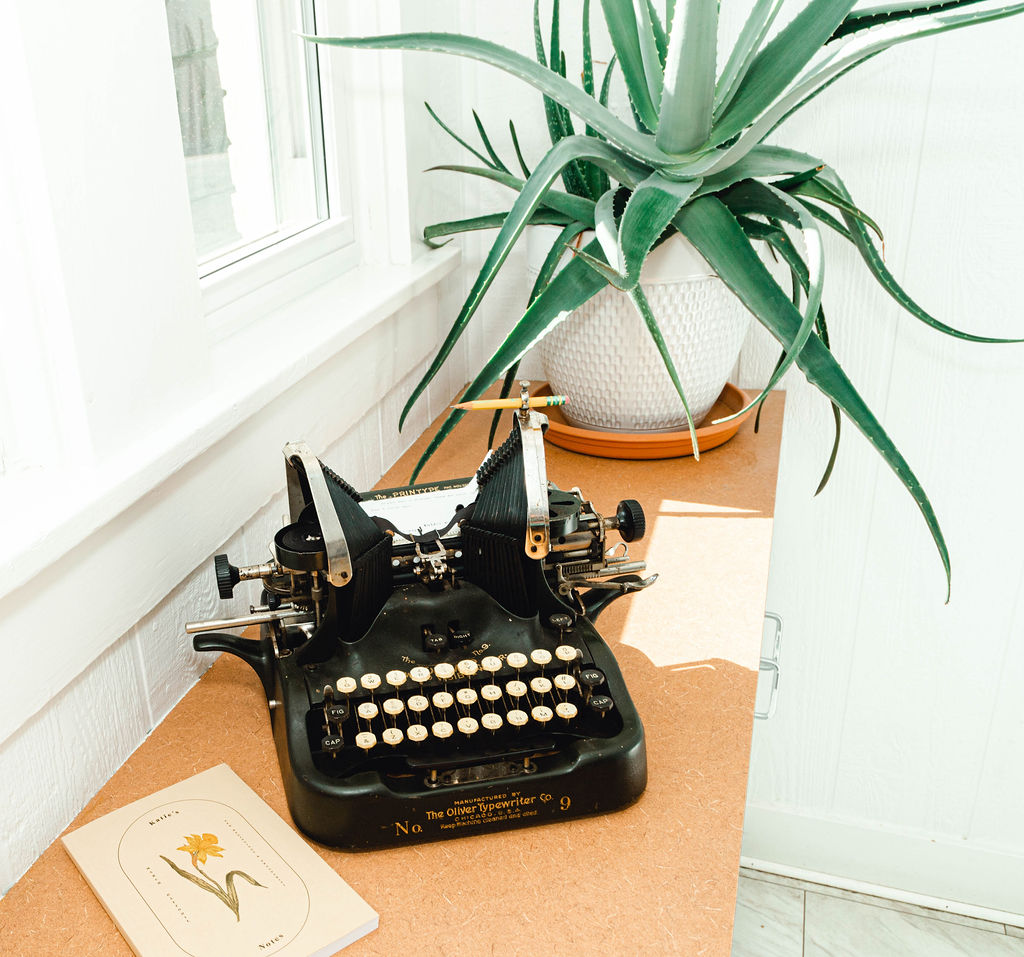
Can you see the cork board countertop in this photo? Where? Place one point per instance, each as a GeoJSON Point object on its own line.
{"type": "Point", "coordinates": [656, 878]}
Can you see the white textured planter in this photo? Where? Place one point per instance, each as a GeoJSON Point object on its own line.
{"type": "Point", "coordinates": [604, 359]}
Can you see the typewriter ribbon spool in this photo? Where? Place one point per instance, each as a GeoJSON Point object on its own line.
{"type": "Point", "coordinates": [430, 657]}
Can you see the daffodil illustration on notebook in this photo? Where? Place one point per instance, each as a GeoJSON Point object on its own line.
{"type": "Point", "coordinates": [199, 847]}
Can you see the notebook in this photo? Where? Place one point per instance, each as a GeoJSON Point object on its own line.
{"type": "Point", "coordinates": [206, 868]}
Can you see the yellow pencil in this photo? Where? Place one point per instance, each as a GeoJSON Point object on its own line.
{"type": "Point", "coordinates": [537, 402]}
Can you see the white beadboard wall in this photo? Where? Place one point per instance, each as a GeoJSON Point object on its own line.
{"type": "Point", "coordinates": [894, 757]}
{"type": "Point", "coordinates": [55, 761]}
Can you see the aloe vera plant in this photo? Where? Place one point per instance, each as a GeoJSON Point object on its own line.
{"type": "Point", "coordinates": [690, 159]}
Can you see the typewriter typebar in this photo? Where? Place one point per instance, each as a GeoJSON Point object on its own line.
{"type": "Point", "coordinates": [429, 654]}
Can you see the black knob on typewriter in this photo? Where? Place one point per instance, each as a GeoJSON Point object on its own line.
{"type": "Point", "coordinates": [227, 576]}
{"type": "Point", "coordinates": [434, 643]}
{"type": "Point", "coordinates": [561, 621]}
{"type": "Point", "coordinates": [458, 636]}
{"type": "Point", "coordinates": [331, 743]}
{"type": "Point", "coordinates": [591, 678]}
{"type": "Point", "coordinates": [631, 521]}
{"type": "Point", "coordinates": [336, 712]}
{"type": "Point", "coordinates": [602, 704]}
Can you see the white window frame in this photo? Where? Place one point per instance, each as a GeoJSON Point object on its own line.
{"type": "Point", "coordinates": [189, 356]}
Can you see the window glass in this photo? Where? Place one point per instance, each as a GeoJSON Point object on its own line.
{"type": "Point", "coordinates": [251, 128]}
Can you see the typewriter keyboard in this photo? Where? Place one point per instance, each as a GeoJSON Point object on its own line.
{"type": "Point", "coordinates": [454, 714]}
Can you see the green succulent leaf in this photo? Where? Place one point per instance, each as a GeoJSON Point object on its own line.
{"type": "Point", "coordinates": [576, 207]}
{"type": "Point", "coordinates": [519, 152]}
{"type": "Point", "coordinates": [506, 391]}
{"type": "Point", "coordinates": [568, 290]}
{"type": "Point", "coordinates": [606, 230]}
{"type": "Point", "coordinates": [458, 139]}
{"type": "Point", "coordinates": [709, 225]}
{"type": "Point", "coordinates": [547, 217]}
{"type": "Point", "coordinates": [815, 266]}
{"type": "Point", "coordinates": [626, 38]}
{"type": "Point", "coordinates": [533, 192]}
{"type": "Point", "coordinates": [654, 63]}
{"type": "Point", "coordinates": [648, 212]}
{"type": "Point", "coordinates": [779, 241]}
{"type": "Point", "coordinates": [868, 17]}
{"type": "Point", "coordinates": [779, 63]}
{"type": "Point", "coordinates": [824, 216]}
{"type": "Point", "coordinates": [549, 82]}
{"type": "Point", "coordinates": [755, 29]}
{"type": "Point", "coordinates": [606, 83]}
{"type": "Point", "coordinates": [763, 161]}
{"type": "Point", "coordinates": [753, 198]}
{"type": "Point", "coordinates": [684, 122]}
{"type": "Point", "coordinates": [658, 29]}
{"type": "Point", "coordinates": [498, 164]}
{"type": "Point", "coordinates": [820, 190]}
{"type": "Point", "coordinates": [650, 320]}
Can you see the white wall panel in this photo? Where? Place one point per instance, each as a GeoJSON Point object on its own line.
{"type": "Point", "coordinates": [898, 712]}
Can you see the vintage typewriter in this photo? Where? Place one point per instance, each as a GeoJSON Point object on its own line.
{"type": "Point", "coordinates": [429, 656]}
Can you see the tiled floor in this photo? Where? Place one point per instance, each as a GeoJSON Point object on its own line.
{"type": "Point", "coordinates": [780, 917]}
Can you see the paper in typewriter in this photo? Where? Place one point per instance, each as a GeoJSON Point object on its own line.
{"type": "Point", "coordinates": [206, 868]}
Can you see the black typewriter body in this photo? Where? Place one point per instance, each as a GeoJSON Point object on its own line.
{"type": "Point", "coordinates": [443, 676]}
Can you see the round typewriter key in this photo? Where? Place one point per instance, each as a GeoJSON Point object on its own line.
{"type": "Point", "coordinates": [370, 681]}
{"type": "Point", "coordinates": [444, 671]}
{"type": "Point", "coordinates": [441, 729]}
{"type": "Point", "coordinates": [395, 678]}
{"type": "Point", "coordinates": [542, 713]}
{"type": "Point", "coordinates": [392, 736]}
{"type": "Point", "coordinates": [490, 692]}
{"type": "Point", "coordinates": [564, 682]}
{"type": "Point", "coordinates": [540, 685]}
{"type": "Point", "coordinates": [336, 713]}
{"type": "Point", "coordinates": [442, 700]}
{"type": "Point", "coordinates": [366, 740]}
{"type": "Point", "coordinates": [466, 696]}
{"type": "Point", "coordinates": [601, 703]}
{"type": "Point", "coordinates": [565, 653]}
{"type": "Point", "coordinates": [393, 706]}
{"type": "Point", "coordinates": [331, 743]}
{"type": "Point", "coordinates": [418, 703]}
{"type": "Point", "coordinates": [540, 656]}
{"type": "Point", "coordinates": [517, 660]}
{"type": "Point", "coordinates": [491, 721]}
{"type": "Point", "coordinates": [468, 668]}
{"type": "Point", "coordinates": [517, 718]}
{"type": "Point", "coordinates": [416, 732]}
{"type": "Point", "coordinates": [516, 689]}
{"type": "Point", "coordinates": [566, 709]}
{"type": "Point", "coordinates": [367, 710]}
{"type": "Point", "coordinates": [346, 685]}
{"type": "Point", "coordinates": [419, 674]}
{"type": "Point", "coordinates": [491, 664]}
{"type": "Point", "coordinates": [591, 678]}
{"type": "Point", "coordinates": [468, 726]}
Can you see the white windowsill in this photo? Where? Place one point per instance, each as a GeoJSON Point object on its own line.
{"type": "Point", "coordinates": [44, 515]}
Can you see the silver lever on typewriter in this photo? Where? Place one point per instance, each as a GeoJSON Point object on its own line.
{"type": "Point", "coordinates": [531, 429]}
{"type": "Point", "coordinates": [339, 563]}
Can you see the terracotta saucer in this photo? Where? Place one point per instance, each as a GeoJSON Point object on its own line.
{"type": "Point", "coordinates": [647, 445]}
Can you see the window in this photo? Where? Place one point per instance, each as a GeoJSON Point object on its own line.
{"type": "Point", "coordinates": [248, 95]}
